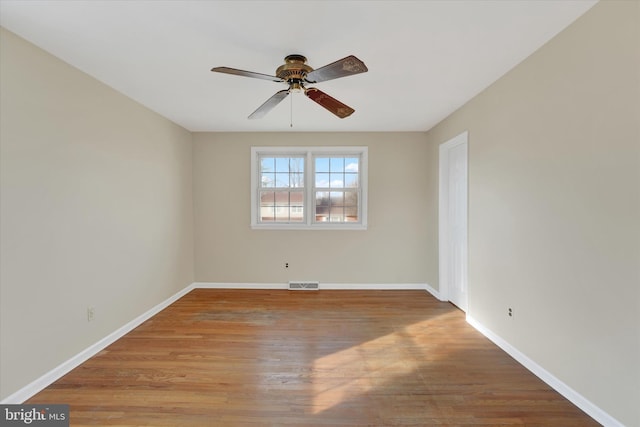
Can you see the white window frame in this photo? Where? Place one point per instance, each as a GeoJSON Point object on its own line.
{"type": "Point", "coordinates": [309, 154]}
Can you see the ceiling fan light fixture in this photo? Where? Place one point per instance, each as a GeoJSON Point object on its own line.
{"type": "Point", "coordinates": [296, 87]}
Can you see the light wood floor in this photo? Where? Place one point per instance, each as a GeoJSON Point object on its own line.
{"type": "Point", "coordinates": [305, 358]}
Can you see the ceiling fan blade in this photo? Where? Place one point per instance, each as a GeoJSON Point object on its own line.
{"type": "Point", "coordinates": [243, 73]}
{"type": "Point", "coordinates": [336, 107]}
{"type": "Point", "coordinates": [269, 104]}
{"type": "Point", "coordinates": [342, 68]}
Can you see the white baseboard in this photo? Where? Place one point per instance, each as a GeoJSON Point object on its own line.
{"type": "Point", "coordinates": [373, 286]}
{"type": "Point", "coordinates": [212, 285]}
{"type": "Point", "coordinates": [330, 286]}
{"type": "Point", "coordinates": [433, 292]}
{"type": "Point", "coordinates": [570, 394]}
{"type": "Point", "coordinates": [56, 373]}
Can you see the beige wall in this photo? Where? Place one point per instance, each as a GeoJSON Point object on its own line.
{"type": "Point", "coordinates": [399, 247]}
{"type": "Point", "coordinates": [554, 206]}
{"type": "Point", "coordinates": [96, 210]}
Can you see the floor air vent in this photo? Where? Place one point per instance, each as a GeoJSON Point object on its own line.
{"type": "Point", "coordinates": [304, 286]}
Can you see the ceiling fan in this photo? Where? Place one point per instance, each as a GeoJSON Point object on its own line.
{"type": "Point", "coordinates": [295, 72]}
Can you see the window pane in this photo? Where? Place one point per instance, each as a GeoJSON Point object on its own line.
{"type": "Point", "coordinates": [337, 198]}
{"type": "Point", "coordinates": [268, 180]}
{"type": "Point", "coordinates": [322, 213]}
{"type": "Point", "coordinates": [351, 164]}
{"type": "Point", "coordinates": [282, 198]}
{"type": "Point", "coordinates": [336, 214]}
{"type": "Point", "coordinates": [267, 164]}
{"type": "Point", "coordinates": [336, 206]}
{"type": "Point", "coordinates": [322, 180]}
{"type": "Point", "coordinates": [337, 180]}
{"type": "Point", "coordinates": [282, 172]}
{"type": "Point", "coordinates": [322, 198]}
{"type": "Point", "coordinates": [282, 180]}
{"type": "Point", "coordinates": [296, 180]}
{"type": "Point", "coordinates": [296, 164]}
{"type": "Point", "coordinates": [267, 198]}
{"type": "Point", "coordinates": [351, 180]}
{"type": "Point", "coordinates": [282, 206]}
{"type": "Point", "coordinates": [322, 164]}
{"type": "Point", "coordinates": [267, 202]}
{"type": "Point", "coordinates": [267, 213]}
{"type": "Point", "coordinates": [351, 198]}
{"type": "Point", "coordinates": [296, 198]}
{"type": "Point", "coordinates": [282, 164]}
{"type": "Point", "coordinates": [351, 213]}
{"type": "Point", "coordinates": [296, 213]}
{"type": "Point", "coordinates": [337, 164]}
{"type": "Point", "coordinates": [282, 214]}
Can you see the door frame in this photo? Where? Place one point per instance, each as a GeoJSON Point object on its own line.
{"type": "Point", "coordinates": [443, 218]}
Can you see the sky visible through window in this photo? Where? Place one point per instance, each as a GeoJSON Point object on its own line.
{"type": "Point", "coordinates": [330, 172]}
{"type": "Point", "coordinates": [336, 172]}
{"type": "Point", "coordinates": [282, 172]}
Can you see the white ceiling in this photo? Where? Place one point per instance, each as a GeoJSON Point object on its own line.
{"type": "Point", "coordinates": [425, 58]}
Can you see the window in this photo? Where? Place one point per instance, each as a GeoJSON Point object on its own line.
{"type": "Point", "coordinates": [309, 187]}
{"type": "Point", "coordinates": [336, 188]}
{"type": "Point", "coordinates": [281, 189]}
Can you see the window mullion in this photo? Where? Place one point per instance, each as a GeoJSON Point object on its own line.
{"type": "Point", "coordinates": [309, 182]}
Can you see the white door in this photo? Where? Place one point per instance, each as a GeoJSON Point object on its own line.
{"type": "Point", "coordinates": [453, 221]}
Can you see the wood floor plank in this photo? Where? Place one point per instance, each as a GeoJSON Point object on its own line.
{"type": "Point", "coordinates": [291, 358]}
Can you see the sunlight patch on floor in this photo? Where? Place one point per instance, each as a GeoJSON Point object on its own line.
{"type": "Point", "coordinates": [349, 373]}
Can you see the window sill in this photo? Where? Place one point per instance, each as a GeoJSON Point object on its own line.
{"type": "Point", "coordinates": [315, 227]}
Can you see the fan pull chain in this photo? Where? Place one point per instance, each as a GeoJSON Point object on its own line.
{"type": "Point", "coordinates": [291, 112]}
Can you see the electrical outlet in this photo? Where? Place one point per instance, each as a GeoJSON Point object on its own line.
{"type": "Point", "coordinates": [286, 265]}
{"type": "Point", "coordinates": [91, 312]}
{"type": "Point", "coordinates": [510, 312]}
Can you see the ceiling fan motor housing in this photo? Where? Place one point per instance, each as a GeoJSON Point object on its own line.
{"type": "Point", "coordinates": [294, 70]}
